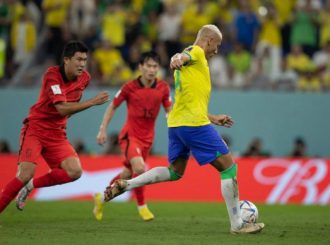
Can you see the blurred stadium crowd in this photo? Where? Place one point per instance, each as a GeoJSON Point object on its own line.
{"type": "Point", "coordinates": [268, 44]}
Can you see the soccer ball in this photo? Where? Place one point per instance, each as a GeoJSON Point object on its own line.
{"type": "Point", "coordinates": [249, 211]}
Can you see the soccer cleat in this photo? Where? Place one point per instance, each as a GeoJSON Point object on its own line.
{"type": "Point", "coordinates": [248, 228]}
{"type": "Point", "coordinates": [117, 188]}
{"type": "Point", "coordinates": [21, 198]}
{"type": "Point", "coordinates": [98, 206]}
{"type": "Point", "coordinates": [146, 214]}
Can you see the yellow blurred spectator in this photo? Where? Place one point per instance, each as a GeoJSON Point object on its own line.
{"type": "Point", "coordinates": [270, 32]}
{"type": "Point", "coordinates": [143, 43]}
{"type": "Point", "coordinates": [297, 60]}
{"type": "Point", "coordinates": [326, 83]}
{"type": "Point", "coordinates": [325, 24]}
{"type": "Point", "coordinates": [120, 75]}
{"type": "Point", "coordinates": [284, 10]}
{"type": "Point", "coordinates": [226, 11]}
{"type": "Point", "coordinates": [23, 38]}
{"type": "Point", "coordinates": [150, 26]}
{"type": "Point", "coordinates": [309, 81]}
{"type": "Point", "coordinates": [56, 12]}
{"type": "Point", "coordinates": [107, 58]}
{"type": "Point", "coordinates": [193, 18]}
{"type": "Point", "coordinates": [137, 5]}
{"type": "Point", "coordinates": [270, 38]}
{"type": "Point", "coordinates": [113, 25]}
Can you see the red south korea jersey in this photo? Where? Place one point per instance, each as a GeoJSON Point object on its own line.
{"type": "Point", "coordinates": [143, 105]}
{"type": "Point", "coordinates": [55, 88]}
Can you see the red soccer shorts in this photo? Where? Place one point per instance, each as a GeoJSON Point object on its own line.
{"type": "Point", "coordinates": [131, 147]}
{"type": "Point", "coordinates": [53, 146]}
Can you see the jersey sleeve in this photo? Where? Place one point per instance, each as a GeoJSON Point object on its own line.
{"type": "Point", "coordinates": [167, 100]}
{"type": "Point", "coordinates": [54, 90]}
{"type": "Point", "coordinates": [121, 96]}
{"type": "Point", "coordinates": [194, 52]}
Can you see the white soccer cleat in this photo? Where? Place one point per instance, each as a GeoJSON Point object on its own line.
{"type": "Point", "coordinates": [248, 228]}
{"type": "Point", "coordinates": [21, 198]}
{"type": "Point", "coordinates": [117, 188]}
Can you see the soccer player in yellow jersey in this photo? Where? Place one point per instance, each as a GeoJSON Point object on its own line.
{"type": "Point", "coordinates": [190, 130]}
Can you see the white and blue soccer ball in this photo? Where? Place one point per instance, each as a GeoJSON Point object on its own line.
{"type": "Point", "coordinates": [249, 211]}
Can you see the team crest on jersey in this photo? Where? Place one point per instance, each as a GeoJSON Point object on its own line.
{"type": "Point", "coordinates": [56, 89]}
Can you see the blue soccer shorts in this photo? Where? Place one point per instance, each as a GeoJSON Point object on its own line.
{"type": "Point", "coordinates": [204, 142]}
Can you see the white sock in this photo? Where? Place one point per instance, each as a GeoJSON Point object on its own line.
{"type": "Point", "coordinates": [29, 185]}
{"type": "Point", "coordinates": [154, 175]}
{"type": "Point", "coordinates": [229, 189]}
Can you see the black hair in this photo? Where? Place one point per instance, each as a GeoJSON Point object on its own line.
{"type": "Point", "coordinates": [149, 55]}
{"type": "Point", "coordinates": [300, 141]}
{"type": "Point", "coordinates": [72, 47]}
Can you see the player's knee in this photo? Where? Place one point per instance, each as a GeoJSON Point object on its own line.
{"type": "Point", "coordinates": [75, 173]}
{"type": "Point", "coordinates": [72, 167]}
{"type": "Point", "coordinates": [25, 176]}
{"type": "Point", "coordinates": [25, 172]}
{"type": "Point", "coordinates": [139, 170]}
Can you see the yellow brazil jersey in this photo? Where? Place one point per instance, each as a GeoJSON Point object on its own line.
{"type": "Point", "coordinates": [55, 12]}
{"type": "Point", "coordinates": [192, 91]}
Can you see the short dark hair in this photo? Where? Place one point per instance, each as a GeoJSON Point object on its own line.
{"type": "Point", "coordinates": [72, 47]}
{"type": "Point", "coordinates": [300, 141]}
{"type": "Point", "coordinates": [149, 55]}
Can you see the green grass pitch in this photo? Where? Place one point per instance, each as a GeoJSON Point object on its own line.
{"type": "Point", "coordinates": [71, 222]}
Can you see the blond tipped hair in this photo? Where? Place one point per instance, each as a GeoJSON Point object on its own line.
{"type": "Point", "coordinates": [208, 30]}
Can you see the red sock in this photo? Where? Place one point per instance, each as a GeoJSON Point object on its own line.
{"type": "Point", "coordinates": [56, 177]}
{"type": "Point", "coordinates": [9, 192]}
{"type": "Point", "coordinates": [139, 193]}
{"type": "Point", "coordinates": [114, 179]}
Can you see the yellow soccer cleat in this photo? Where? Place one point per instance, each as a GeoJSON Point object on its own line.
{"type": "Point", "coordinates": [98, 206]}
{"type": "Point", "coordinates": [146, 214]}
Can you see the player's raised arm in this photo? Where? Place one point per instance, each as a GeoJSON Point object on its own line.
{"type": "Point", "coordinates": [107, 117]}
{"type": "Point", "coordinates": [178, 60]}
{"type": "Point", "coordinates": [69, 108]}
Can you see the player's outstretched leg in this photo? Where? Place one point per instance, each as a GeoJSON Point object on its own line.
{"type": "Point", "coordinates": [154, 175]}
{"type": "Point", "coordinates": [98, 206]}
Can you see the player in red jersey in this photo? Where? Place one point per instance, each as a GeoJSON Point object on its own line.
{"type": "Point", "coordinates": [143, 97]}
{"type": "Point", "coordinates": [44, 130]}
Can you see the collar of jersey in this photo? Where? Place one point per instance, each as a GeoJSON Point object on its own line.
{"type": "Point", "coordinates": [63, 75]}
{"type": "Point", "coordinates": [153, 85]}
